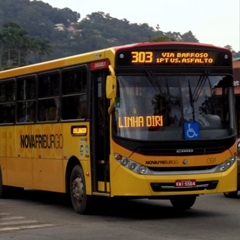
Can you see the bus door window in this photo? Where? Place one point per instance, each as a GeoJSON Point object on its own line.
{"type": "Point", "coordinates": [74, 93]}
{"type": "Point", "coordinates": [48, 94]}
{"type": "Point", "coordinates": [237, 110]}
{"type": "Point", "coordinates": [7, 101]}
{"type": "Point", "coordinates": [101, 110]}
{"type": "Point", "coordinates": [26, 97]}
{"type": "Point", "coordinates": [100, 129]}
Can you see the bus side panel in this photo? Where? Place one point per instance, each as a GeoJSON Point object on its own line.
{"type": "Point", "coordinates": [48, 174]}
{"type": "Point", "coordinates": [16, 163]}
{"type": "Point", "coordinates": [3, 154]}
{"type": "Point", "coordinates": [48, 157]}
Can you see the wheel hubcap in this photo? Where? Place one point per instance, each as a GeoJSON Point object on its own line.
{"type": "Point", "coordinates": [77, 189]}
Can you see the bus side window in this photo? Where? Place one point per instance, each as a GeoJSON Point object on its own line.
{"type": "Point", "coordinates": [48, 84]}
{"type": "Point", "coordinates": [26, 97]}
{"type": "Point", "coordinates": [48, 109]}
{"type": "Point", "coordinates": [7, 116]}
{"type": "Point", "coordinates": [7, 101]}
{"type": "Point", "coordinates": [74, 93]}
{"type": "Point", "coordinates": [48, 94]}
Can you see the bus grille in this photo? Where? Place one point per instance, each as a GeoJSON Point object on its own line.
{"type": "Point", "coordinates": [150, 151]}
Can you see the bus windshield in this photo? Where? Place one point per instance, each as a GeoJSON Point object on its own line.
{"type": "Point", "coordinates": [158, 107]}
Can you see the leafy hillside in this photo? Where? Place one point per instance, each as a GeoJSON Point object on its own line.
{"type": "Point", "coordinates": [68, 34]}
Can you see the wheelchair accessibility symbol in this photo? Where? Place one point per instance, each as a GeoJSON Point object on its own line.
{"type": "Point", "coordinates": [191, 131]}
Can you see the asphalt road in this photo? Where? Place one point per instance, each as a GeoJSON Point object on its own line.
{"type": "Point", "coordinates": [47, 216]}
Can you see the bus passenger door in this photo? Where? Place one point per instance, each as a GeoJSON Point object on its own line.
{"type": "Point", "coordinates": [99, 133]}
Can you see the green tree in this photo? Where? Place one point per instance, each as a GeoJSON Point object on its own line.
{"type": "Point", "coordinates": [16, 46]}
{"type": "Point", "coordinates": [41, 48]}
{"type": "Point", "coordinates": [189, 37]}
{"type": "Point", "coordinates": [163, 38]}
{"type": "Point", "coordinates": [229, 47]}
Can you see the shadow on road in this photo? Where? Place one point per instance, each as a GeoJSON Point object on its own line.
{"type": "Point", "coordinates": [121, 208]}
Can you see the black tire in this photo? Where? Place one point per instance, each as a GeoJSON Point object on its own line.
{"type": "Point", "coordinates": [79, 199]}
{"type": "Point", "coordinates": [1, 184]}
{"type": "Point", "coordinates": [183, 202]}
{"type": "Point", "coordinates": [231, 194]}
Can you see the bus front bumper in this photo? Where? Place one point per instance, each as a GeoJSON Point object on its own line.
{"type": "Point", "coordinates": [127, 183]}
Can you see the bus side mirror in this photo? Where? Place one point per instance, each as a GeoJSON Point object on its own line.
{"type": "Point", "coordinates": [238, 148]}
{"type": "Point", "coordinates": [111, 91]}
{"type": "Point", "coordinates": [111, 87]}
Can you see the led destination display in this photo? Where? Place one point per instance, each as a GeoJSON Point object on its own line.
{"type": "Point", "coordinates": [140, 121]}
{"type": "Point", "coordinates": [158, 57]}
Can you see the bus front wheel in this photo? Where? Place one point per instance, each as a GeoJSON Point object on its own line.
{"type": "Point", "coordinates": [78, 194]}
{"type": "Point", "coordinates": [183, 202]}
{"type": "Point", "coordinates": [1, 184]}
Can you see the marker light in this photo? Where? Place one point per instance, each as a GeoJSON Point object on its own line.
{"type": "Point", "coordinates": [129, 164]}
{"type": "Point", "coordinates": [132, 166]}
{"type": "Point", "coordinates": [226, 165]}
{"type": "Point", "coordinates": [124, 162]}
{"type": "Point", "coordinates": [142, 170]}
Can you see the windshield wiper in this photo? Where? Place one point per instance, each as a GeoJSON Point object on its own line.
{"type": "Point", "coordinates": [200, 84]}
{"type": "Point", "coordinates": [152, 79]}
{"type": "Point", "coordinates": [191, 100]}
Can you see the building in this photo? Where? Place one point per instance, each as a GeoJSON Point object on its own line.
{"type": "Point", "coordinates": [236, 75]}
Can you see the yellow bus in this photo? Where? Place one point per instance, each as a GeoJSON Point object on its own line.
{"type": "Point", "coordinates": [146, 120]}
{"type": "Point", "coordinates": [236, 77]}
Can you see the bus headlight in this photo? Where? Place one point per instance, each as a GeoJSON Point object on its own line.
{"type": "Point", "coordinates": [226, 165]}
{"type": "Point", "coordinates": [132, 166]}
{"type": "Point", "coordinates": [124, 162]}
{"type": "Point", "coordinates": [142, 170]}
{"type": "Point", "coordinates": [129, 164]}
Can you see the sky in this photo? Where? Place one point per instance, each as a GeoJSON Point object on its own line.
{"type": "Point", "coordinates": [211, 21]}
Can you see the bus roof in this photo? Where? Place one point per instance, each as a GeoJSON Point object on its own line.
{"type": "Point", "coordinates": [168, 44]}
{"type": "Point", "coordinates": [93, 56]}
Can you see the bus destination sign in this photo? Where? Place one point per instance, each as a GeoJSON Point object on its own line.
{"type": "Point", "coordinates": [157, 57]}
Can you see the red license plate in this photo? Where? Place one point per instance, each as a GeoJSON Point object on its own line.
{"type": "Point", "coordinates": [185, 183]}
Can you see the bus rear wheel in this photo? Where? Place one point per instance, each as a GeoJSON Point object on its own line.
{"type": "Point", "coordinates": [183, 202]}
{"type": "Point", "coordinates": [79, 198]}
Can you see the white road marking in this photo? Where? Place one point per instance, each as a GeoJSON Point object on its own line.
{"type": "Point", "coordinates": [14, 223]}
{"type": "Point", "coordinates": [25, 227]}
